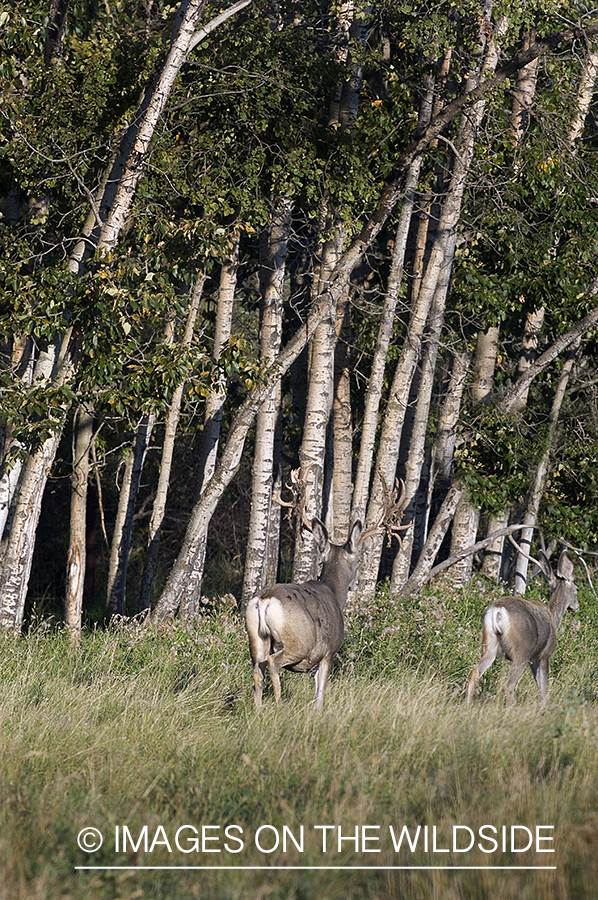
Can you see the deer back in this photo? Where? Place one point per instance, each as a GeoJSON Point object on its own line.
{"type": "Point", "coordinates": [525, 628]}
{"type": "Point", "coordinates": [307, 619]}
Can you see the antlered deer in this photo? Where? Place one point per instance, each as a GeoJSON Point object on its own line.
{"type": "Point", "coordinates": [301, 626]}
{"type": "Point", "coordinates": [525, 631]}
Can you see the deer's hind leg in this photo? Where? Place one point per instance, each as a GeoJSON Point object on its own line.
{"type": "Point", "coordinates": [276, 661]}
{"type": "Point", "coordinates": [259, 647]}
{"type": "Point", "coordinates": [490, 647]}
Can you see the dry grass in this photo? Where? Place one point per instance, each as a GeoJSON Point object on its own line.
{"type": "Point", "coordinates": [144, 728]}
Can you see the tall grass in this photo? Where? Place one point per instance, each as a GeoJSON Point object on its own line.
{"type": "Point", "coordinates": [144, 727]}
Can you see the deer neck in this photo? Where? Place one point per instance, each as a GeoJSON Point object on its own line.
{"type": "Point", "coordinates": [559, 602]}
{"type": "Point", "coordinates": [334, 576]}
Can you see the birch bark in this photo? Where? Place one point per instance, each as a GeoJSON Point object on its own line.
{"type": "Point", "coordinates": [542, 470]}
{"type": "Point", "coordinates": [125, 175]}
{"type": "Point", "coordinates": [260, 552]}
{"type": "Point", "coordinates": [374, 389]}
{"type": "Point", "coordinates": [210, 437]}
{"type": "Point", "coordinates": [170, 429]}
{"type": "Point", "coordinates": [440, 257]}
{"type": "Point", "coordinates": [76, 562]}
{"type": "Point", "coordinates": [123, 528]}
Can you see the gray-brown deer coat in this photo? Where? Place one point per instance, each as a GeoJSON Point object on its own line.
{"type": "Point", "coordinates": [524, 631]}
{"type": "Point", "coordinates": [301, 626]}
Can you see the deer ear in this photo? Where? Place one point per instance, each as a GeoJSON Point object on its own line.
{"type": "Point", "coordinates": [565, 567]}
{"type": "Point", "coordinates": [355, 535]}
{"type": "Point", "coordinates": [320, 533]}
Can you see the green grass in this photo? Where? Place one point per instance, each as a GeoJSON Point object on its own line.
{"type": "Point", "coordinates": [144, 727]}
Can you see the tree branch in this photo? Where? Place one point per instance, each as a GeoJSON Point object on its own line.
{"type": "Point", "coordinates": [462, 554]}
{"type": "Point", "coordinates": [203, 32]}
{"type": "Point", "coordinates": [508, 402]}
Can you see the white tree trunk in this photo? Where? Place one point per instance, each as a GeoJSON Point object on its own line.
{"type": "Point", "coordinates": [441, 256]}
{"type": "Point", "coordinates": [170, 430]}
{"type": "Point", "coordinates": [259, 557]}
{"type": "Point", "coordinates": [417, 441]}
{"type": "Point", "coordinates": [485, 363]}
{"type": "Point", "coordinates": [210, 437]}
{"type": "Point", "coordinates": [183, 579]}
{"type": "Point", "coordinates": [76, 561]}
{"type": "Point", "coordinates": [463, 535]}
{"type": "Point", "coordinates": [341, 431]}
{"type": "Point", "coordinates": [312, 452]}
{"type": "Point", "coordinates": [375, 381]}
{"type": "Point", "coordinates": [18, 553]}
{"type": "Point", "coordinates": [543, 468]}
{"type": "Point", "coordinates": [523, 94]}
{"type": "Point", "coordinates": [585, 94]}
{"type": "Point", "coordinates": [123, 528]}
{"type": "Point", "coordinates": [186, 23]}
{"type": "Point", "coordinates": [185, 36]}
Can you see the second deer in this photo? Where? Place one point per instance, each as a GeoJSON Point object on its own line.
{"type": "Point", "coordinates": [525, 630]}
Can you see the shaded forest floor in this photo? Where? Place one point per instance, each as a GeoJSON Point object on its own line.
{"type": "Point", "coordinates": [150, 737]}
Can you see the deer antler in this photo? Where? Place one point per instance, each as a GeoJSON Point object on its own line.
{"type": "Point", "coordinates": [389, 522]}
{"type": "Point", "coordinates": [298, 488]}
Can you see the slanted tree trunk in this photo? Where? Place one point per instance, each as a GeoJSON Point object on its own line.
{"type": "Point", "coordinates": [373, 397]}
{"type": "Point", "coordinates": [170, 429]}
{"type": "Point", "coordinates": [493, 557]}
{"type": "Point", "coordinates": [125, 175]}
{"type": "Point", "coordinates": [440, 258]}
{"type": "Point", "coordinates": [435, 538]}
{"type": "Point", "coordinates": [585, 94]}
{"type": "Point", "coordinates": [260, 554]}
{"type": "Point", "coordinates": [210, 436]}
{"type": "Point", "coordinates": [543, 468]}
{"type": "Point", "coordinates": [312, 452]}
{"type": "Point", "coordinates": [76, 561]}
{"type": "Point", "coordinates": [182, 572]}
{"type": "Point", "coordinates": [21, 363]}
{"type": "Point", "coordinates": [417, 441]}
{"type": "Point", "coordinates": [17, 553]}
{"type": "Point", "coordinates": [443, 452]}
{"type": "Point", "coordinates": [123, 529]}
{"type": "Point", "coordinates": [375, 381]}
{"type": "Point", "coordinates": [183, 579]}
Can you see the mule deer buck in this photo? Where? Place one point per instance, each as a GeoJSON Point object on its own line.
{"type": "Point", "coordinates": [300, 627]}
{"type": "Point", "coordinates": [525, 630]}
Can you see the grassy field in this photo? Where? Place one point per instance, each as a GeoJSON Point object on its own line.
{"type": "Point", "coordinates": [150, 737]}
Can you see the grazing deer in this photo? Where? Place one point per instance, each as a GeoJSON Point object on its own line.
{"type": "Point", "coordinates": [525, 630]}
{"type": "Point", "coordinates": [301, 626]}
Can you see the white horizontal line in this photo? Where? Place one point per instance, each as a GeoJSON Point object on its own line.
{"type": "Point", "coordinates": [305, 868]}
